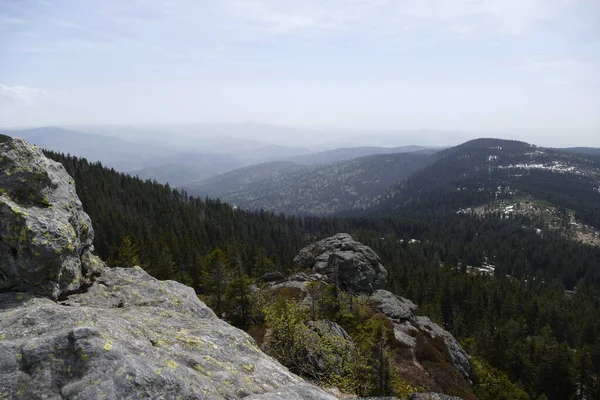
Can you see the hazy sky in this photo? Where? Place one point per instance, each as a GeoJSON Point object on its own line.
{"type": "Point", "coordinates": [506, 67]}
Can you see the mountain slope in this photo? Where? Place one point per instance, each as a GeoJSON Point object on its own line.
{"type": "Point", "coordinates": [488, 170]}
{"type": "Point", "coordinates": [316, 190]}
{"type": "Point", "coordinates": [228, 182]}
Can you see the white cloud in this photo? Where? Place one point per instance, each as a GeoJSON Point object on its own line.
{"type": "Point", "coordinates": [22, 95]}
{"type": "Point", "coordinates": [17, 102]}
{"type": "Point", "coordinates": [385, 16]}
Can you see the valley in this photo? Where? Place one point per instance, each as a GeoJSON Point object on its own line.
{"type": "Point", "coordinates": [479, 236]}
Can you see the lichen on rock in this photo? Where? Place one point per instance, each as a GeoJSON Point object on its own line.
{"type": "Point", "coordinates": [129, 335]}
{"type": "Point", "coordinates": [45, 236]}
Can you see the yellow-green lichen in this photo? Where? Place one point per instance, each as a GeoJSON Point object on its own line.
{"type": "Point", "coordinates": [201, 370]}
{"type": "Point", "coordinates": [83, 356]}
{"type": "Point", "coordinates": [23, 235]}
{"type": "Point", "coordinates": [172, 364]}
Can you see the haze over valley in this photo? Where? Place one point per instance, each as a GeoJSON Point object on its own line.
{"type": "Point", "coordinates": [300, 200]}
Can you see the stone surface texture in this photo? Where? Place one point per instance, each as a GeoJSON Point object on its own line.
{"type": "Point", "coordinates": [45, 236]}
{"type": "Point", "coordinates": [357, 266]}
{"type": "Point", "coordinates": [395, 307]}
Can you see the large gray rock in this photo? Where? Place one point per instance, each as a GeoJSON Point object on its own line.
{"type": "Point", "coordinates": [357, 266]}
{"type": "Point", "coordinates": [45, 237]}
{"type": "Point", "coordinates": [407, 325]}
{"type": "Point", "coordinates": [395, 307]}
{"type": "Point", "coordinates": [128, 337]}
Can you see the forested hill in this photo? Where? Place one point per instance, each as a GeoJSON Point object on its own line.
{"type": "Point", "coordinates": [230, 182]}
{"type": "Point", "coordinates": [312, 190]}
{"type": "Point", "coordinates": [517, 320]}
{"type": "Point", "coordinates": [173, 231]}
{"type": "Point", "coordinates": [488, 170]}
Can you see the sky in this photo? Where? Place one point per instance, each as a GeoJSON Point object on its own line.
{"type": "Point", "coordinates": [527, 69]}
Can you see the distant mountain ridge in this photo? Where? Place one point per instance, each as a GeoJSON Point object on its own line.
{"type": "Point", "coordinates": [111, 151]}
{"type": "Point", "coordinates": [315, 190]}
{"type": "Point", "coordinates": [188, 155]}
{"type": "Point", "coordinates": [348, 153]}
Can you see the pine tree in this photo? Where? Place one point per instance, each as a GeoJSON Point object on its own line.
{"type": "Point", "coordinates": [216, 270]}
{"type": "Point", "coordinates": [238, 296]}
{"type": "Point", "coordinates": [128, 254]}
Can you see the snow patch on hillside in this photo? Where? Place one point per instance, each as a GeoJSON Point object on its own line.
{"type": "Point", "coordinates": [554, 166]}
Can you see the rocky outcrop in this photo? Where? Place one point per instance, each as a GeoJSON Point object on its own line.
{"type": "Point", "coordinates": [71, 328]}
{"type": "Point", "coordinates": [428, 351]}
{"type": "Point", "coordinates": [407, 326]}
{"type": "Point", "coordinates": [460, 358]}
{"type": "Point", "coordinates": [272, 277]}
{"type": "Point", "coordinates": [131, 336]}
{"type": "Point", "coordinates": [354, 266]}
{"type": "Point", "coordinates": [45, 236]}
{"type": "Point", "coordinates": [396, 308]}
